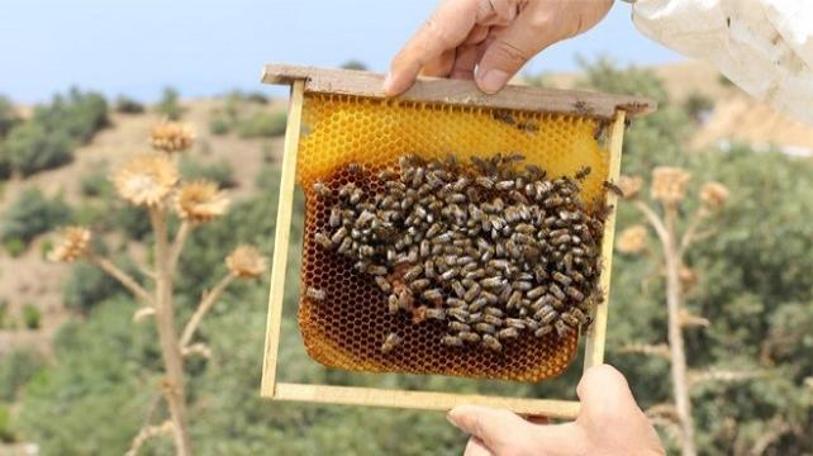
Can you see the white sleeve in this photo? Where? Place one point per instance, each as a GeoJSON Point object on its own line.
{"type": "Point", "coordinates": [763, 46]}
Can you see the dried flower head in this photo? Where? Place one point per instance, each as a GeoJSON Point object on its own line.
{"type": "Point", "coordinates": [630, 185]}
{"type": "Point", "coordinates": [688, 278]}
{"type": "Point", "coordinates": [146, 180]}
{"type": "Point", "coordinates": [200, 201]}
{"type": "Point", "coordinates": [632, 240]}
{"type": "Point", "coordinates": [669, 184]}
{"type": "Point", "coordinates": [245, 261]}
{"type": "Point", "coordinates": [714, 195]}
{"type": "Point", "coordinates": [172, 137]}
{"type": "Point", "coordinates": [74, 243]}
{"type": "Point", "coordinates": [688, 319]}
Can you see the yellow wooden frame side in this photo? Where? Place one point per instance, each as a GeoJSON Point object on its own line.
{"type": "Point", "coordinates": [597, 333]}
{"type": "Point", "coordinates": [423, 400]}
{"type": "Point", "coordinates": [279, 262]}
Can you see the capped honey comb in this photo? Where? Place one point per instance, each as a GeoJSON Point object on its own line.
{"type": "Point", "coordinates": [346, 329]}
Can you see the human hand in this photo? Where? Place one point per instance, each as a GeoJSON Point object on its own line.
{"type": "Point", "coordinates": [496, 37]}
{"type": "Point", "coordinates": [609, 423]}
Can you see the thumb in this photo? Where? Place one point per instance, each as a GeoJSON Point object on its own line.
{"type": "Point", "coordinates": [503, 432]}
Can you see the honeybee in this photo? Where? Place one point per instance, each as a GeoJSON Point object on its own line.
{"type": "Point", "coordinates": [323, 240]}
{"type": "Point", "coordinates": [390, 343]}
{"type": "Point", "coordinates": [508, 333]}
{"type": "Point", "coordinates": [562, 329]}
{"type": "Point", "coordinates": [561, 278]}
{"type": "Point", "coordinates": [468, 336]}
{"type": "Point", "coordinates": [316, 294]}
{"type": "Point", "coordinates": [321, 189]}
{"type": "Point", "coordinates": [491, 342]}
{"type": "Point", "coordinates": [583, 172]}
{"type": "Point", "coordinates": [503, 116]}
{"type": "Point", "coordinates": [458, 326]}
{"type": "Point", "coordinates": [452, 341]}
{"type": "Point", "coordinates": [392, 304]}
{"type": "Point", "coordinates": [543, 330]}
{"type": "Point", "coordinates": [485, 328]}
{"type": "Point", "coordinates": [610, 186]}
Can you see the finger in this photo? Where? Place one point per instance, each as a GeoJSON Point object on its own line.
{"type": "Point", "coordinates": [604, 394]}
{"type": "Point", "coordinates": [509, 49]}
{"type": "Point", "coordinates": [476, 448]}
{"type": "Point", "coordinates": [446, 29]}
{"type": "Point", "coordinates": [441, 66]}
{"type": "Point", "coordinates": [466, 61]}
{"type": "Point", "coordinates": [477, 35]}
{"type": "Point", "coordinates": [494, 427]}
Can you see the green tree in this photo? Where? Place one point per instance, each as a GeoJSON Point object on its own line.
{"type": "Point", "coordinates": [32, 214]}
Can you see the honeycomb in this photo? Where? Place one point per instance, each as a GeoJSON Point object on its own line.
{"type": "Point", "coordinates": [347, 328]}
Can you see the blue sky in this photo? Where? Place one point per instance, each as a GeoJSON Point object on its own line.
{"type": "Point", "coordinates": [206, 47]}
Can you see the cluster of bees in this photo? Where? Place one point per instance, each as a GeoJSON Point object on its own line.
{"type": "Point", "coordinates": [493, 248]}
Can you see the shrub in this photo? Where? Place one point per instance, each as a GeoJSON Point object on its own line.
{"type": "Point", "coordinates": [8, 117]}
{"type": "Point", "coordinates": [169, 105]}
{"type": "Point", "coordinates": [31, 316]}
{"type": "Point", "coordinates": [87, 286]}
{"type": "Point", "coordinates": [698, 105]}
{"type": "Point", "coordinates": [219, 125]}
{"type": "Point", "coordinates": [127, 105]}
{"type": "Point", "coordinates": [32, 214]}
{"type": "Point", "coordinates": [262, 125]}
{"type": "Point", "coordinates": [353, 64]}
{"type": "Point", "coordinates": [257, 97]}
{"type": "Point", "coordinates": [31, 147]}
{"type": "Point", "coordinates": [14, 247]}
{"type": "Point", "coordinates": [17, 368]}
{"type": "Point", "coordinates": [95, 184]}
{"type": "Point", "coordinates": [131, 220]}
{"type": "Point", "coordinates": [77, 115]}
{"type": "Point", "coordinates": [4, 322]}
{"type": "Point", "coordinates": [5, 163]}
{"type": "Point", "coordinates": [6, 433]}
{"type": "Point", "coordinates": [220, 172]}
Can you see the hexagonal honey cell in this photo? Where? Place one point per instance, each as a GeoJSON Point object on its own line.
{"type": "Point", "coordinates": [346, 329]}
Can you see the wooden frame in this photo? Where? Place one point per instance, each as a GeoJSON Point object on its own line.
{"type": "Point", "coordinates": [612, 108]}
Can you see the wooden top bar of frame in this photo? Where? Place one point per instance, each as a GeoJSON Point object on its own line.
{"type": "Point", "coordinates": [461, 92]}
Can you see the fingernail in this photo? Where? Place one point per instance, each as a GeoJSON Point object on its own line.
{"type": "Point", "coordinates": [388, 83]}
{"type": "Point", "coordinates": [492, 81]}
{"type": "Point", "coordinates": [451, 418]}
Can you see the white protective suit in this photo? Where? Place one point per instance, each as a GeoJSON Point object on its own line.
{"type": "Point", "coordinates": [763, 46]}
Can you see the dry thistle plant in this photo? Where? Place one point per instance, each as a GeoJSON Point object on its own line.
{"type": "Point", "coordinates": [153, 182]}
{"type": "Point", "coordinates": [668, 191]}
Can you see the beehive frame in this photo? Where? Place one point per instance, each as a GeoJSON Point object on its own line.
{"type": "Point", "coordinates": [611, 109]}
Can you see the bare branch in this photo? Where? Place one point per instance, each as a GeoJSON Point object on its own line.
{"type": "Point", "coordinates": [716, 375]}
{"type": "Point", "coordinates": [174, 384]}
{"type": "Point", "coordinates": [177, 245]}
{"type": "Point", "coordinates": [776, 429]}
{"type": "Point", "coordinates": [688, 319]}
{"type": "Point", "coordinates": [694, 223]}
{"type": "Point", "coordinates": [207, 301]}
{"type": "Point", "coordinates": [664, 410]}
{"type": "Point", "coordinates": [125, 279]}
{"type": "Point", "coordinates": [147, 433]}
{"type": "Point", "coordinates": [654, 220]}
{"type": "Point", "coordinates": [142, 313]}
{"type": "Point", "coordinates": [199, 349]}
{"type": "Point", "coordinates": [657, 350]}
